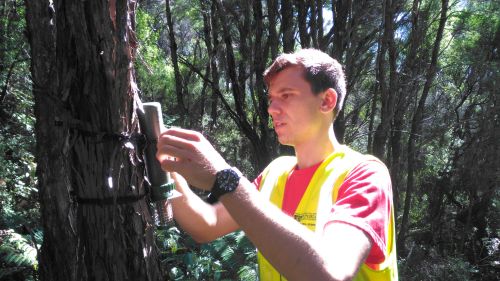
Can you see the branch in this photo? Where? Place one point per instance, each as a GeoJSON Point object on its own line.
{"type": "Point", "coordinates": [193, 68]}
{"type": "Point", "coordinates": [3, 94]}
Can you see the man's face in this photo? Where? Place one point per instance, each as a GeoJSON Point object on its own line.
{"type": "Point", "coordinates": [294, 108]}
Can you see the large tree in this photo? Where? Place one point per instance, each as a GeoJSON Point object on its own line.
{"type": "Point", "coordinates": [96, 220]}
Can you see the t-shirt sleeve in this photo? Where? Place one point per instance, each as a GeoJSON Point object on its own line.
{"type": "Point", "coordinates": [256, 182]}
{"type": "Point", "coordinates": [364, 201]}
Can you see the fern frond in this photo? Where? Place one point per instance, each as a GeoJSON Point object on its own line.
{"type": "Point", "coordinates": [17, 251]}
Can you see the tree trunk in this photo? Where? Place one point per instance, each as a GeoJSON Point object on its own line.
{"type": "Point", "coordinates": [259, 67]}
{"type": "Point", "coordinates": [97, 223]}
{"type": "Point", "coordinates": [416, 126]}
{"type": "Point", "coordinates": [262, 155]}
{"type": "Point", "coordinates": [342, 10]}
{"type": "Point", "coordinates": [272, 10]}
{"type": "Point", "coordinates": [313, 24]}
{"type": "Point", "coordinates": [319, 23]}
{"type": "Point", "coordinates": [408, 81]}
{"type": "Point", "coordinates": [302, 8]}
{"type": "Point", "coordinates": [181, 107]}
{"type": "Point", "coordinates": [287, 26]}
{"type": "Point", "coordinates": [387, 94]}
{"type": "Point", "coordinates": [210, 28]}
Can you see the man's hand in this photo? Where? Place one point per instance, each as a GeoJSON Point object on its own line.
{"type": "Point", "coordinates": [193, 156]}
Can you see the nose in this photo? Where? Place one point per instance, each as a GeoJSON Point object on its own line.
{"type": "Point", "coordinates": [273, 108]}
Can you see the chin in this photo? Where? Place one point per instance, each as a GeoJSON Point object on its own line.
{"type": "Point", "coordinates": [284, 141]}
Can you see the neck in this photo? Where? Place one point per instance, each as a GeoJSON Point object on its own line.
{"type": "Point", "coordinates": [317, 150]}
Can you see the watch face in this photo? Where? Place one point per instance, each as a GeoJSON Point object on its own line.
{"type": "Point", "coordinates": [227, 180]}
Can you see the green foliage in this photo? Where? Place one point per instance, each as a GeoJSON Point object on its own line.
{"type": "Point", "coordinates": [17, 165]}
{"type": "Point", "coordinates": [19, 208]}
{"type": "Point", "coordinates": [231, 257]}
{"type": "Point", "coordinates": [18, 191]}
{"type": "Point", "coordinates": [18, 254]}
{"type": "Point", "coordinates": [433, 266]}
{"type": "Point", "coordinates": [154, 73]}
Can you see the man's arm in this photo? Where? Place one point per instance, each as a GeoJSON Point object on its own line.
{"type": "Point", "coordinates": [295, 251]}
{"type": "Point", "coordinates": [202, 221]}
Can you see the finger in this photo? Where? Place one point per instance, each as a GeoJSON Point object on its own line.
{"type": "Point", "coordinates": [180, 180]}
{"type": "Point", "coordinates": [182, 143]}
{"type": "Point", "coordinates": [169, 165]}
{"type": "Point", "coordinates": [168, 152]}
{"type": "Point", "coordinates": [183, 134]}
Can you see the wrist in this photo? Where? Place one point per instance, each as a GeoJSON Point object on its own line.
{"type": "Point", "coordinates": [226, 181]}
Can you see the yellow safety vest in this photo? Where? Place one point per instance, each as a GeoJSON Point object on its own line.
{"type": "Point", "coordinates": [316, 203]}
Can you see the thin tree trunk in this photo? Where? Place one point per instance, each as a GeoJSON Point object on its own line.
{"type": "Point", "coordinates": [259, 64]}
{"type": "Point", "coordinates": [272, 10]}
{"type": "Point", "coordinates": [239, 114]}
{"type": "Point", "coordinates": [302, 8]}
{"type": "Point", "coordinates": [181, 107]}
{"type": "Point", "coordinates": [213, 64]}
{"type": "Point", "coordinates": [313, 25]}
{"type": "Point", "coordinates": [416, 125]}
{"type": "Point", "coordinates": [387, 94]}
{"type": "Point", "coordinates": [245, 52]}
{"type": "Point", "coordinates": [97, 223]}
{"type": "Point", "coordinates": [319, 23]}
{"type": "Point", "coordinates": [287, 26]}
{"type": "Point", "coordinates": [341, 12]}
{"type": "Point", "coordinates": [408, 84]}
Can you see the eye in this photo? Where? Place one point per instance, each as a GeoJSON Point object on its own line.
{"type": "Point", "coordinates": [269, 100]}
{"type": "Point", "coordinates": [285, 96]}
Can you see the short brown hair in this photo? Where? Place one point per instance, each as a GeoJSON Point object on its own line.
{"type": "Point", "coordinates": [320, 70]}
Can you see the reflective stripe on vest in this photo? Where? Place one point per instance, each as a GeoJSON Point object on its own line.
{"type": "Point", "coordinates": [316, 203]}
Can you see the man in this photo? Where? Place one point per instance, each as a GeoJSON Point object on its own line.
{"type": "Point", "coordinates": [330, 215]}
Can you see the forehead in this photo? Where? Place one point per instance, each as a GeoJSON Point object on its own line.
{"type": "Point", "coordinates": [290, 77]}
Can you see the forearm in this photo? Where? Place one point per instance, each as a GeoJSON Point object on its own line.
{"type": "Point", "coordinates": [200, 220]}
{"type": "Point", "coordinates": [193, 216]}
{"type": "Point", "coordinates": [289, 246]}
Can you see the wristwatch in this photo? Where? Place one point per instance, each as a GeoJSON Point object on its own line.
{"type": "Point", "coordinates": [226, 181]}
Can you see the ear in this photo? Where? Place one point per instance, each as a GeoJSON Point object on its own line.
{"type": "Point", "coordinates": [329, 100]}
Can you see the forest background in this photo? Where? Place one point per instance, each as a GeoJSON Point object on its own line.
{"type": "Point", "coordinates": [423, 95]}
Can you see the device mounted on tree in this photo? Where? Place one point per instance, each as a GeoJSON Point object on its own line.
{"type": "Point", "coordinates": [162, 186]}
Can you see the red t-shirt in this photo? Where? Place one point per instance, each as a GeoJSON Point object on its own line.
{"type": "Point", "coordinates": [364, 201]}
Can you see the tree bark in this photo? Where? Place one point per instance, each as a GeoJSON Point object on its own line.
{"type": "Point", "coordinates": [97, 223]}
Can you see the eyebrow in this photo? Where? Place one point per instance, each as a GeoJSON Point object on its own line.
{"type": "Point", "coordinates": [285, 89]}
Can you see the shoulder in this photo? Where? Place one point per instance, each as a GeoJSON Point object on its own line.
{"type": "Point", "coordinates": [370, 169]}
{"type": "Point", "coordinates": [280, 163]}
{"type": "Point", "coordinates": [277, 167]}
{"type": "Point", "coordinates": [363, 164]}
